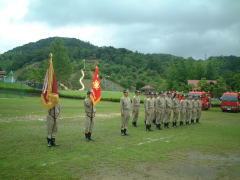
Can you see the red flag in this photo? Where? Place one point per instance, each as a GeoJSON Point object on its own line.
{"type": "Point", "coordinates": [49, 94]}
{"type": "Point", "coordinates": [96, 88]}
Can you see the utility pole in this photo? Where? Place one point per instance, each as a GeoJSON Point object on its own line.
{"type": "Point", "coordinates": [84, 64]}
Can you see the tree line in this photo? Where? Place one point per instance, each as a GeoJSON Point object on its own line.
{"type": "Point", "coordinates": [129, 69]}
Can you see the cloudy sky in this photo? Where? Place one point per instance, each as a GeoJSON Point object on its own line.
{"type": "Point", "coordinates": [196, 28]}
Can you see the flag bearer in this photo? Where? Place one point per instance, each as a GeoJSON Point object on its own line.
{"type": "Point", "coordinates": [90, 112]}
{"type": "Point", "coordinates": [52, 119]}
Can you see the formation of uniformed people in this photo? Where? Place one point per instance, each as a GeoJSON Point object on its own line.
{"type": "Point", "coordinates": [160, 109]}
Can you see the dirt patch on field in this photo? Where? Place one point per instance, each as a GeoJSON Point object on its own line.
{"type": "Point", "coordinates": [194, 166]}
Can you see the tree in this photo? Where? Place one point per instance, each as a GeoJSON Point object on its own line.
{"type": "Point", "coordinates": [235, 82]}
{"type": "Point", "coordinates": [219, 88]}
{"type": "Point", "coordinates": [61, 61]}
{"type": "Point", "coordinates": [199, 70]}
{"type": "Point", "coordinates": [205, 86]}
{"type": "Point", "coordinates": [139, 84]}
{"type": "Point", "coordinates": [210, 71]}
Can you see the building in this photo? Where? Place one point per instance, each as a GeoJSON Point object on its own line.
{"type": "Point", "coordinates": [147, 88]}
{"type": "Point", "coordinates": [194, 83]}
{"type": "Point", "coordinates": [3, 74]}
{"type": "Point", "coordinates": [9, 78]}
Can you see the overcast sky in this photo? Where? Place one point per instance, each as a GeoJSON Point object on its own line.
{"type": "Point", "coordinates": [179, 27]}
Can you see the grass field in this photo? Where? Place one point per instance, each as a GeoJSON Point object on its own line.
{"type": "Point", "coordinates": [209, 150]}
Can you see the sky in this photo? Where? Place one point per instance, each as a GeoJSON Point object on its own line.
{"type": "Point", "coordinates": [188, 28]}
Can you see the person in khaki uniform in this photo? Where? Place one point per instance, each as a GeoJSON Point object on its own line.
{"type": "Point", "coordinates": [125, 105]}
{"type": "Point", "coordinates": [163, 108]}
{"type": "Point", "coordinates": [183, 110]}
{"type": "Point", "coordinates": [155, 95]}
{"type": "Point", "coordinates": [90, 112]}
{"type": "Point", "coordinates": [149, 111]}
{"type": "Point", "coordinates": [157, 111]}
{"type": "Point", "coordinates": [199, 109]}
{"type": "Point", "coordinates": [189, 110]}
{"type": "Point", "coordinates": [176, 105]}
{"type": "Point", "coordinates": [168, 110]}
{"type": "Point", "coordinates": [160, 110]}
{"type": "Point", "coordinates": [52, 119]}
{"type": "Point", "coordinates": [136, 106]}
{"type": "Point", "coordinates": [194, 111]}
{"type": "Point", "coordinates": [147, 94]}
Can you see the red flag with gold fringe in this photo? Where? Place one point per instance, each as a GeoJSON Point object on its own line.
{"type": "Point", "coordinates": [96, 88]}
{"type": "Point", "coordinates": [49, 96]}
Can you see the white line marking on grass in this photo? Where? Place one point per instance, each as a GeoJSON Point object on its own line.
{"type": "Point", "coordinates": [7, 98]}
{"type": "Point", "coordinates": [50, 163]}
{"type": "Point", "coordinates": [150, 140]}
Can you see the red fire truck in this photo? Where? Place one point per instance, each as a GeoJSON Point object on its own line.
{"type": "Point", "coordinates": [205, 98]}
{"type": "Point", "coordinates": [230, 101]}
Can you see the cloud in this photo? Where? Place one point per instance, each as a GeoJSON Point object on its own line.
{"type": "Point", "coordinates": [184, 28]}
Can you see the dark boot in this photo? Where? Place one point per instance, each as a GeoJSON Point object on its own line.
{"type": "Point", "coordinates": [158, 126]}
{"type": "Point", "coordinates": [122, 132]}
{"type": "Point", "coordinates": [154, 121]}
{"type": "Point", "coordinates": [181, 123]}
{"type": "Point", "coordinates": [86, 136]}
{"type": "Point", "coordinates": [89, 136]}
{"type": "Point", "coordinates": [125, 132]}
{"type": "Point", "coordinates": [197, 120]}
{"type": "Point", "coordinates": [149, 128]}
{"type": "Point", "coordinates": [187, 123]}
{"type": "Point", "coordinates": [175, 124]}
{"type": "Point", "coordinates": [192, 121]}
{"type": "Point", "coordinates": [49, 142]}
{"type": "Point", "coordinates": [134, 124]}
{"type": "Point", "coordinates": [167, 124]}
{"type": "Point", "coordinates": [53, 142]}
{"type": "Point", "coordinates": [164, 124]}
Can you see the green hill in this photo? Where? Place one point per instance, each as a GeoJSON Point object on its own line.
{"type": "Point", "coordinates": [121, 67]}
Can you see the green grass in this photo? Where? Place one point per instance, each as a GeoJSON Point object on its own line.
{"type": "Point", "coordinates": [214, 145]}
{"type": "Point", "coordinates": [17, 89]}
{"type": "Point", "coordinates": [113, 96]}
{"type": "Point", "coordinates": [13, 85]}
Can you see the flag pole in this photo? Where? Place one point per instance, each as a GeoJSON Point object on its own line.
{"type": "Point", "coordinates": [91, 112]}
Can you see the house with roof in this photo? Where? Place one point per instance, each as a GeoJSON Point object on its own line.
{"type": "Point", "coordinates": [194, 83]}
{"type": "Point", "coordinates": [2, 75]}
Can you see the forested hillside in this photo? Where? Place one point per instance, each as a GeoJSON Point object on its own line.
{"type": "Point", "coordinates": [129, 69]}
